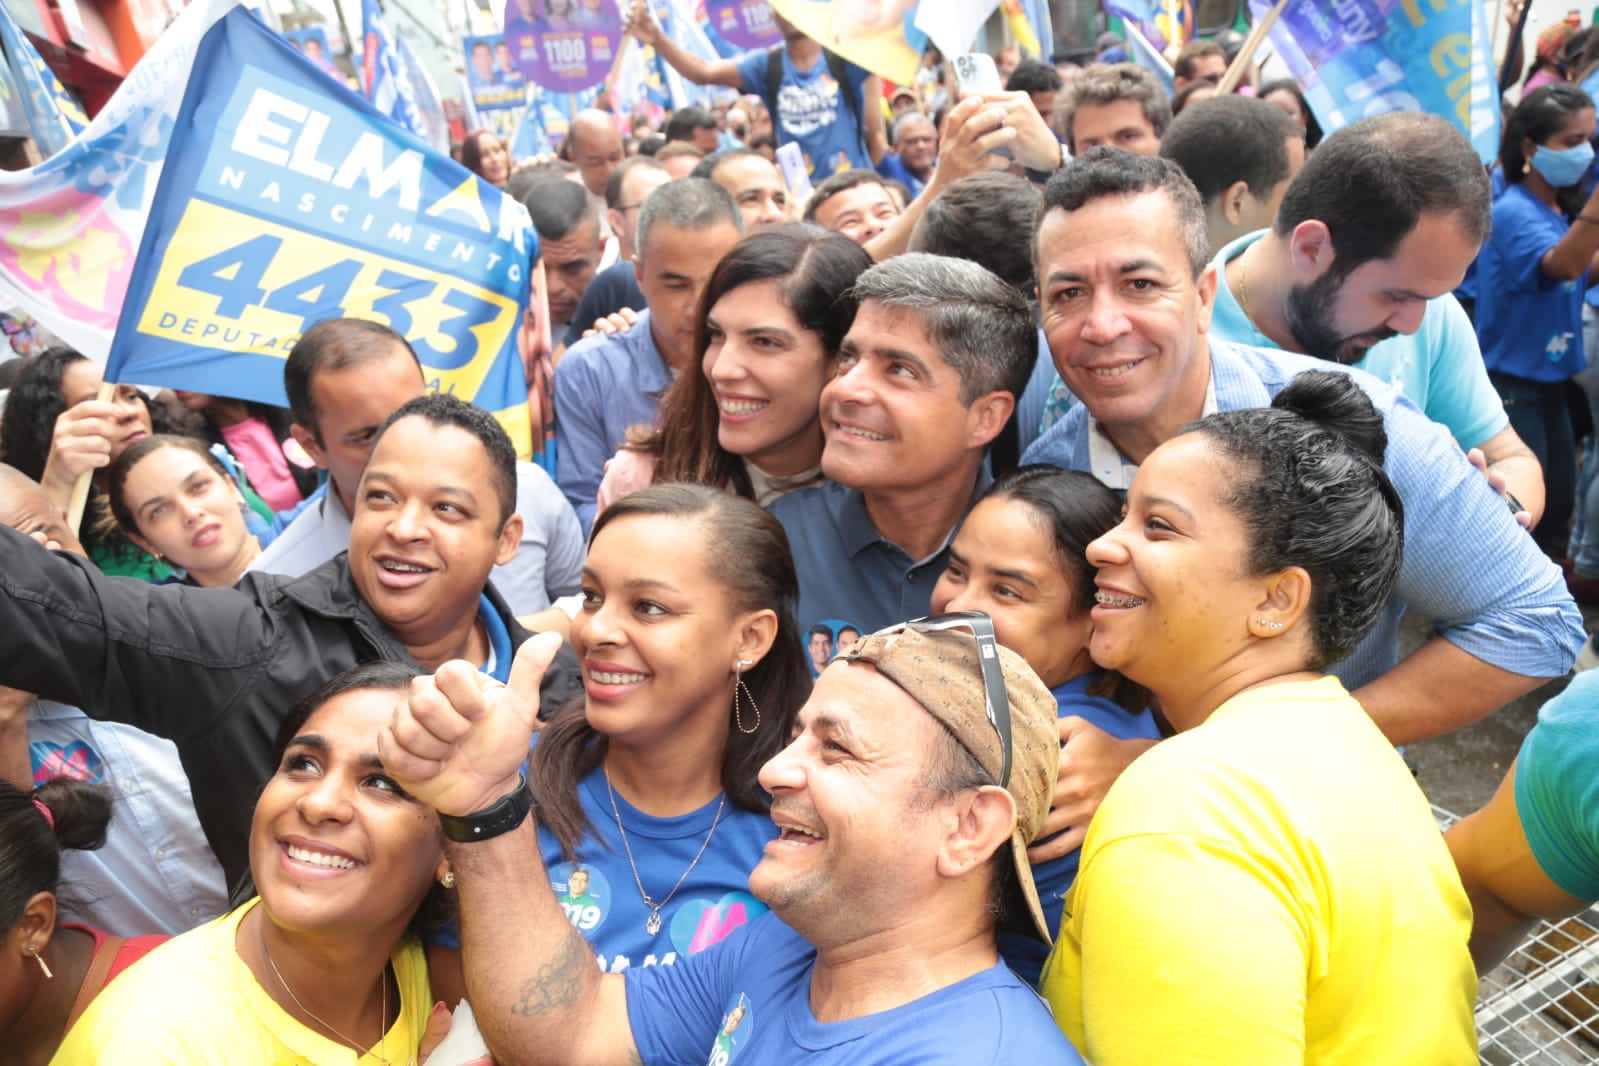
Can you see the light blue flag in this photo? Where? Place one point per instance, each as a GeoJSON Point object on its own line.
{"type": "Point", "coordinates": [530, 138]}
{"type": "Point", "coordinates": [383, 72]}
{"type": "Point", "coordinates": [53, 116]}
{"type": "Point", "coordinates": [284, 200]}
{"type": "Point", "coordinates": [429, 107]}
{"type": "Point", "coordinates": [1363, 58]}
{"type": "Point", "coordinates": [1149, 57]}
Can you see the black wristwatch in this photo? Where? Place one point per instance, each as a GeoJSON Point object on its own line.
{"type": "Point", "coordinates": [504, 816]}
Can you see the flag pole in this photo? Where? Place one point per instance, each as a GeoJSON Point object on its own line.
{"type": "Point", "coordinates": [1257, 33]}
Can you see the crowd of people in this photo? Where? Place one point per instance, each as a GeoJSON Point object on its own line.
{"type": "Point", "coordinates": [951, 613]}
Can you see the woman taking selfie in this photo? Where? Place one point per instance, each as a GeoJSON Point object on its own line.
{"type": "Point", "coordinates": [1269, 884]}
{"type": "Point", "coordinates": [324, 965]}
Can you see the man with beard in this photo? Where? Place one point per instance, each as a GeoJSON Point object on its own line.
{"type": "Point", "coordinates": [1126, 297]}
{"type": "Point", "coordinates": [1371, 239]}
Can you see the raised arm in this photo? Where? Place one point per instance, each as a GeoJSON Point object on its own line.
{"type": "Point", "coordinates": [119, 648]}
{"type": "Point", "coordinates": [456, 744]}
{"type": "Point", "coordinates": [642, 25]}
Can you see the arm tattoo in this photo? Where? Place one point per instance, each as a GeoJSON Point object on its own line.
{"type": "Point", "coordinates": [555, 986]}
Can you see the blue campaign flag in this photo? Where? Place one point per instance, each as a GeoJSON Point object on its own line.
{"type": "Point", "coordinates": [285, 200]}
{"type": "Point", "coordinates": [53, 116]}
{"type": "Point", "coordinates": [1363, 58]}
{"type": "Point", "coordinates": [429, 107]}
{"type": "Point", "coordinates": [384, 74]}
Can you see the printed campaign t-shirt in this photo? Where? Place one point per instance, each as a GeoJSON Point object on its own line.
{"type": "Point", "coordinates": [602, 901]}
{"type": "Point", "coordinates": [1530, 323]}
{"type": "Point", "coordinates": [747, 1002]}
{"type": "Point", "coordinates": [812, 111]}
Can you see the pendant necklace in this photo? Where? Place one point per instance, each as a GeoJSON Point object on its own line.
{"type": "Point", "coordinates": [652, 924]}
{"type": "Point", "coordinates": [383, 1035]}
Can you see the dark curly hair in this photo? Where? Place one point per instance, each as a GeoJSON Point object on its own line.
{"type": "Point", "coordinates": [1312, 493]}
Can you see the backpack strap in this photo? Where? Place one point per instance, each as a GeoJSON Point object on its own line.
{"type": "Point", "coordinates": [774, 78]}
{"type": "Point", "coordinates": [838, 66]}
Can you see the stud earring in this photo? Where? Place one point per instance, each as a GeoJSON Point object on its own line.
{"type": "Point", "coordinates": [1269, 623]}
{"type": "Point", "coordinates": [448, 880]}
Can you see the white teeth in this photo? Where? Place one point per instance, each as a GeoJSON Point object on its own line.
{"type": "Point", "coordinates": [742, 407]}
{"type": "Point", "coordinates": [1108, 599]}
{"type": "Point", "coordinates": [605, 677]}
{"type": "Point", "coordinates": [402, 568]}
{"type": "Point", "coordinates": [801, 831]}
{"type": "Point", "coordinates": [317, 858]}
{"type": "Point", "coordinates": [864, 434]}
{"type": "Point", "coordinates": [1114, 371]}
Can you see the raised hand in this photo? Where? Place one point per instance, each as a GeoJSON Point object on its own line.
{"type": "Point", "coordinates": [457, 741]}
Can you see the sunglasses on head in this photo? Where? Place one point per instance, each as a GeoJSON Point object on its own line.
{"type": "Point", "coordinates": [995, 700]}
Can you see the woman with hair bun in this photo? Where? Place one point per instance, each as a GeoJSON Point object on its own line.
{"type": "Point", "coordinates": [49, 972]}
{"type": "Point", "coordinates": [1269, 884]}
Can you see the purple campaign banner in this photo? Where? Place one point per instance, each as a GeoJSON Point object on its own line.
{"type": "Point", "coordinates": [564, 45]}
{"type": "Point", "coordinates": [746, 23]}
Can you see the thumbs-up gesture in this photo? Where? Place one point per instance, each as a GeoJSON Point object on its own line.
{"type": "Point", "coordinates": [456, 743]}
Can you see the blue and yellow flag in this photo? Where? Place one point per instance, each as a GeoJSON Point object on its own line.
{"type": "Point", "coordinates": [284, 201]}
{"type": "Point", "coordinates": [53, 115]}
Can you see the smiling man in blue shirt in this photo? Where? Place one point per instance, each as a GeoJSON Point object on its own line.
{"type": "Point", "coordinates": [1127, 301]}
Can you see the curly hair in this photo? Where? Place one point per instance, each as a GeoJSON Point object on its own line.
{"type": "Point", "coordinates": [31, 411]}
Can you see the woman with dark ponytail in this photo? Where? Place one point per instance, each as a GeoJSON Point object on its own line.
{"type": "Point", "coordinates": [49, 972]}
{"type": "Point", "coordinates": [650, 817]}
{"type": "Point", "coordinates": [1268, 885]}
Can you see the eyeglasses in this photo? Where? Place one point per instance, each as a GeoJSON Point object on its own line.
{"type": "Point", "coordinates": [996, 701]}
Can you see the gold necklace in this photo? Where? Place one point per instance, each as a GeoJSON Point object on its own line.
{"type": "Point", "coordinates": [383, 1020]}
{"type": "Point", "coordinates": [652, 924]}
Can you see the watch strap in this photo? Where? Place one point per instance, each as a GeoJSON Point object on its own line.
{"type": "Point", "coordinates": [504, 816]}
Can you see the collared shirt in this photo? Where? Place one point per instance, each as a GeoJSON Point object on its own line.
{"type": "Point", "coordinates": [548, 562]}
{"type": "Point", "coordinates": [850, 575]}
{"type": "Point", "coordinates": [1108, 465]}
{"type": "Point", "coordinates": [1439, 368]}
{"type": "Point", "coordinates": [1467, 565]}
{"type": "Point", "coordinates": [603, 385]}
{"type": "Point", "coordinates": [156, 873]}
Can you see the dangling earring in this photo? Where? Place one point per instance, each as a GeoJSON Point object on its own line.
{"type": "Point", "coordinates": [43, 965]}
{"type": "Point", "coordinates": [740, 689]}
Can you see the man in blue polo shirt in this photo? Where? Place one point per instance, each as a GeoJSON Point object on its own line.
{"type": "Point", "coordinates": [1127, 303]}
{"type": "Point", "coordinates": [1359, 267]}
{"type": "Point", "coordinates": [926, 377]}
{"type": "Point", "coordinates": [915, 152]}
{"type": "Point", "coordinates": [604, 384]}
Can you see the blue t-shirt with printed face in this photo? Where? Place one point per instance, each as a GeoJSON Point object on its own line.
{"type": "Point", "coordinates": [811, 110]}
{"type": "Point", "coordinates": [602, 900]}
{"type": "Point", "coordinates": [1530, 324]}
{"type": "Point", "coordinates": [747, 1003]}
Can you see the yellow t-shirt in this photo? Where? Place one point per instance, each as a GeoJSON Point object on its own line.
{"type": "Point", "coordinates": [192, 1000]}
{"type": "Point", "coordinates": [1269, 887]}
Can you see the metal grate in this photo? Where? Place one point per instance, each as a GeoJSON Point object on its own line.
{"type": "Point", "coordinates": [1541, 1005]}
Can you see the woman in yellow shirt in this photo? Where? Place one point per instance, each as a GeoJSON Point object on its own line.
{"type": "Point", "coordinates": [1267, 886]}
{"type": "Point", "coordinates": [324, 965]}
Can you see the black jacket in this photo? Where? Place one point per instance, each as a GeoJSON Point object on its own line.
{"type": "Point", "coordinates": [214, 670]}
